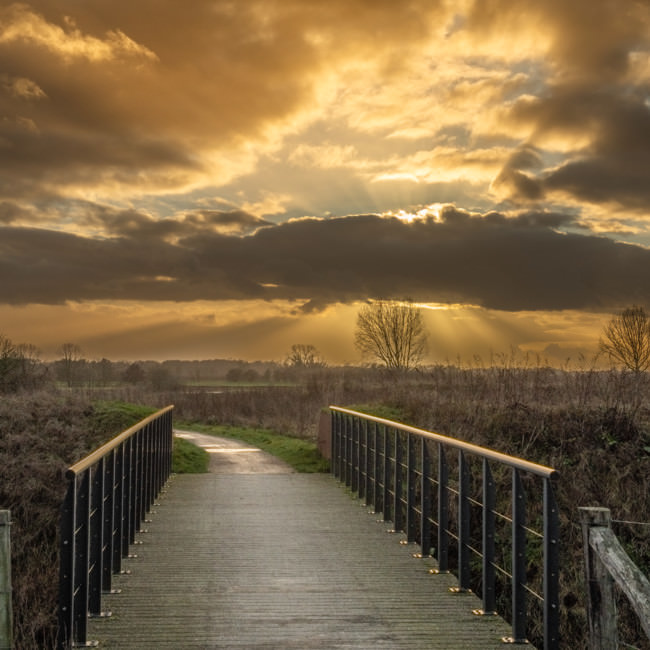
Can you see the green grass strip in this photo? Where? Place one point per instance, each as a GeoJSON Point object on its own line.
{"type": "Point", "coordinates": [188, 458]}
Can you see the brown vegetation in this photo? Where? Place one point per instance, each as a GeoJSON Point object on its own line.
{"type": "Point", "coordinates": [41, 434]}
{"type": "Point", "coordinates": [590, 425]}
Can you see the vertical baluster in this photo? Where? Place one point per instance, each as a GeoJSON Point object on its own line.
{"type": "Point", "coordinates": [151, 468]}
{"type": "Point", "coordinates": [425, 488]}
{"type": "Point", "coordinates": [81, 558]}
{"type": "Point", "coordinates": [398, 517]}
{"type": "Point", "coordinates": [66, 568]}
{"type": "Point", "coordinates": [136, 477]}
{"type": "Point", "coordinates": [489, 519]}
{"type": "Point", "coordinates": [345, 448]}
{"type": "Point", "coordinates": [334, 437]}
{"type": "Point", "coordinates": [463, 523]}
{"type": "Point", "coordinates": [127, 497]}
{"type": "Point", "coordinates": [96, 537]}
{"type": "Point", "coordinates": [443, 510]}
{"type": "Point", "coordinates": [147, 471]}
{"type": "Point", "coordinates": [411, 524]}
{"type": "Point", "coordinates": [109, 522]}
{"type": "Point", "coordinates": [118, 509]}
{"type": "Point", "coordinates": [377, 494]}
{"type": "Point", "coordinates": [368, 465]}
{"type": "Point", "coordinates": [168, 437]}
{"type": "Point", "coordinates": [354, 455]}
{"type": "Point", "coordinates": [159, 449]}
{"type": "Point", "coordinates": [518, 559]}
{"type": "Point", "coordinates": [551, 568]}
{"type": "Point", "coordinates": [386, 496]}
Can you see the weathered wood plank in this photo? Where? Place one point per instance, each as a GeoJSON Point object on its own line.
{"type": "Point", "coordinates": [627, 575]}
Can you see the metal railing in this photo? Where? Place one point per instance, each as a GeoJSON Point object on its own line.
{"type": "Point", "coordinates": [109, 493]}
{"type": "Point", "coordinates": [391, 466]}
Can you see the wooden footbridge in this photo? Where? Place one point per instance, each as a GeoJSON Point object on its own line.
{"type": "Point", "coordinates": [234, 559]}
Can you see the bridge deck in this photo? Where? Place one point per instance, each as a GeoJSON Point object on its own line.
{"type": "Point", "coordinates": [281, 561]}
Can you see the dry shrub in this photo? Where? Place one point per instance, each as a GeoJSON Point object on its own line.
{"type": "Point", "coordinates": [41, 434]}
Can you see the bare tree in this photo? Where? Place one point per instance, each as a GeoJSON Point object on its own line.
{"type": "Point", "coordinates": [392, 332]}
{"type": "Point", "coordinates": [9, 362]}
{"type": "Point", "coordinates": [304, 356]}
{"type": "Point", "coordinates": [69, 364]}
{"type": "Point", "coordinates": [20, 367]}
{"type": "Point", "coordinates": [627, 339]}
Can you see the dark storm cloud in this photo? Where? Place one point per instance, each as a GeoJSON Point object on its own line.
{"type": "Point", "coordinates": [613, 167]}
{"type": "Point", "coordinates": [132, 224]}
{"type": "Point", "coordinates": [520, 263]}
{"type": "Point", "coordinates": [593, 104]}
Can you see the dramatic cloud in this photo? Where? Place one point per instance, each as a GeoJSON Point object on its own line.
{"type": "Point", "coordinates": [517, 263]}
{"type": "Point", "coordinates": [156, 151]}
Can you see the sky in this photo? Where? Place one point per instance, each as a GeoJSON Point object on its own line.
{"type": "Point", "coordinates": [227, 178]}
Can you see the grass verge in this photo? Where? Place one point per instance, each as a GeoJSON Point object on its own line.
{"type": "Point", "coordinates": [188, 458]}
{"type": "Point", "coordinates": [302, 455]}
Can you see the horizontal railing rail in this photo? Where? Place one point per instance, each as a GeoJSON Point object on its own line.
{"type": "Point", "coordinates": [108, 496]}
{"type": "Point", "coordinates": [403, 472]}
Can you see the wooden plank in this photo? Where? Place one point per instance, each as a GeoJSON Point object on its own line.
{"type": "Point", "coordinates": [282, 561]}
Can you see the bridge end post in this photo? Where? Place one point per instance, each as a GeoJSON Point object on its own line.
{"type": "Point", "coordinates": [6, 619]}
{"type": "Point", "coordinates": [601, 603]}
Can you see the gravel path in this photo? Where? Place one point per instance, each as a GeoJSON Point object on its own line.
{"type": "Point", "coordinates": [228, 456]}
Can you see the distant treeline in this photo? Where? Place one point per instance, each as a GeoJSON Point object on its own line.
{"type": "Point", "coordinates": [21, 368]}
{"type": "Point", "coordinates": [163, 374]}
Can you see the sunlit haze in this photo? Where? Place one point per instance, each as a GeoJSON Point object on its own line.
{"type": "Point", "coordinates": [224, 179]}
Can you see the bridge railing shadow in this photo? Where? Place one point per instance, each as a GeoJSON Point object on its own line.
{"type": "Point", "coordinates": [489, 518]}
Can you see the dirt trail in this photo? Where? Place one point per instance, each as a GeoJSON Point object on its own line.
{"type": "Point", "coordinates": [228, 456]}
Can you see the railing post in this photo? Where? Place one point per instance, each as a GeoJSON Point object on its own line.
{"type": "Point", "coordinates": [127, 497]}
{"type": "Point", "coordinates": [377, 495]}
{"type": "Point", "coordinates": [601, 603]}
{"type": "Point", "coordinates": [443, 510]}
{"type": "Point", "coordinates": [81, 546]}
{"type": "Point", "coordinates": [335, 423]}
{"type": "Point", "coordinates": [6, 618]}
{"type": "Point", "coordinates": [463, 524]}
{"type": "Point", "coordinates": [354, 455]}
{"type": "Point", "coordinates": [425, 489]}
{"type": "Point", "coordinates": [411, 524]}
{"type": "Point", "coordinates": [551, 568]}
{"type": "Point", "coordinates": [118, 509]}
{"type": "Point", "coordinates": [96, 539]}
{"type": "Point", "coordinates": [489, 518]}
{"type": "Point", "coordinates": [398, 519]}
{"type": "Point", "coordinates": [109, 523]}
{"type": "Point", "coordinates": [386, 495]}
{"type": "Point", "coordinates": [368, 464]}
{"type": "Point", "coordinates": [345, 456]}
{"type": "Point", "coordinates": [518, 560]}
{"type": "Point", "coordinates": [66, 568]}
